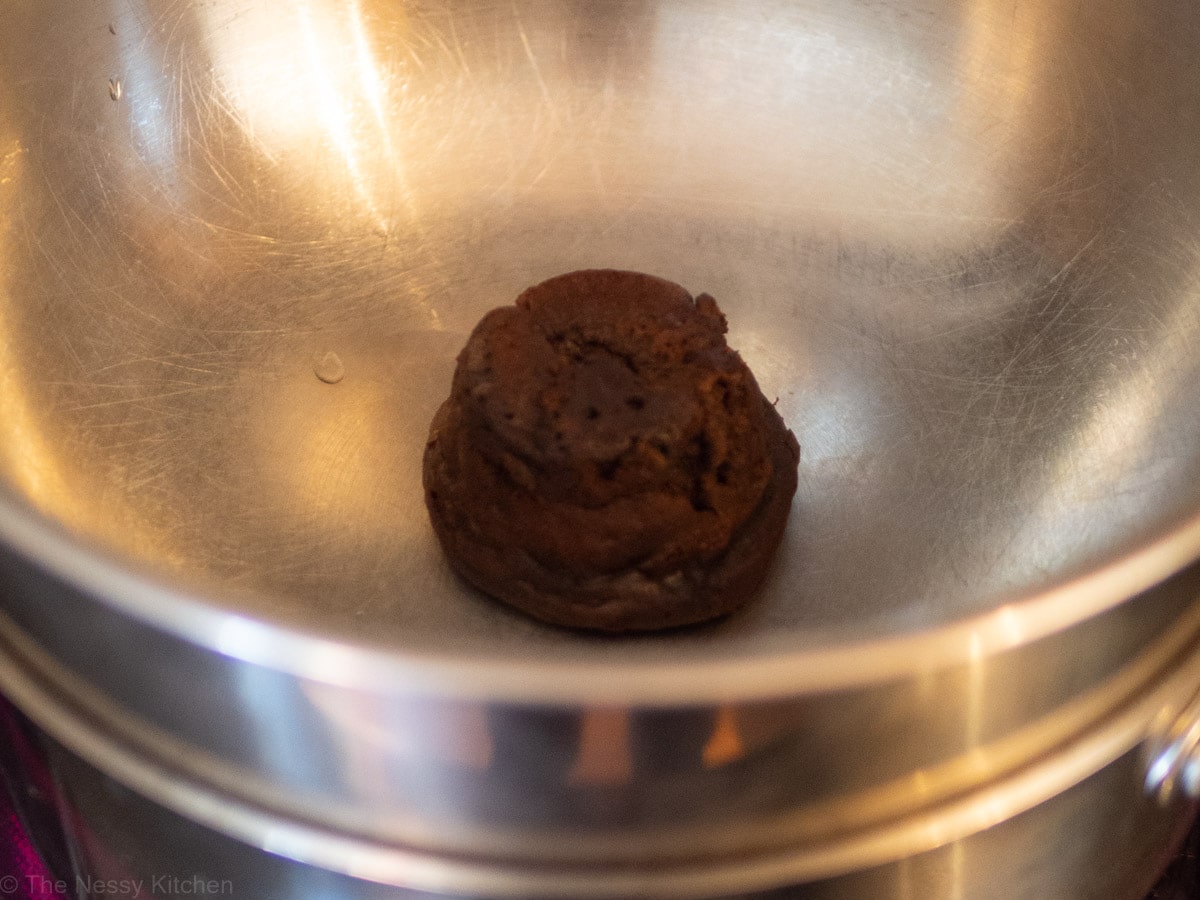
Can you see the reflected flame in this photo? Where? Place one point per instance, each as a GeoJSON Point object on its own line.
{"type": "Point", "coordinates": [605, 755]}
{"type": "Point", "coordinates": [725, 745]}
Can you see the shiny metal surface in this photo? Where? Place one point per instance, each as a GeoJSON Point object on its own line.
{"type": "Point", "coordinates": [241, 243]}
{"type": "Point", "coordinates": [411, 784]}
{"type": "Point", "coordinates": [957, 243]}
{"type": "Point", "coordinates": [1051, 850]}
{"type": "Point", "coordinates": [1172, 754]}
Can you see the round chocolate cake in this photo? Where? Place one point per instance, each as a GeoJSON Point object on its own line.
{"type": "Point", "coordinates": [605, 461]}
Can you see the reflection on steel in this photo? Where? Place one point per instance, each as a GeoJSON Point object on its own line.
{"type": "Point", "coordinates": [957, 241]}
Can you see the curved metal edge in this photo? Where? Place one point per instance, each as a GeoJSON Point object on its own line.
{"type": "Point", "coordinates": [775, 672]}
{"type": "Point", "coordinates": [1172, 754]}
{"type": "Point", "coordinates": [912, 834]}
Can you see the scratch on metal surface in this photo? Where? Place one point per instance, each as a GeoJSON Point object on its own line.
{"type": "Point", "coordinates": [67, 214]}
{"type": "Point", "coordinates": [533, 62]}
{"type": "Point", "coordinates": [1070, 263]}
{"type": "Point", "coordinates": [8, 162]}
{"type": "Point", "coordinates": [165, 362]}
{"type": "Point", "coordinates": [458, 48]}
{"type": "Point", "coordinates": [597, 173]}
{"type": "Point", "coordinates": [147, 398]}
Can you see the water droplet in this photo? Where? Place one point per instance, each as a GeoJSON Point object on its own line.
{"type": "Point", "coordinates": [114, 88]}
{"type": "Point", "coordinates": [112, 28]}
{"type": "Point", "coordinates": [329, 368]}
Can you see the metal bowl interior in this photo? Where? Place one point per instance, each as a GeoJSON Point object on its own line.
{"type": "Point", "coordinates": [242, 243]}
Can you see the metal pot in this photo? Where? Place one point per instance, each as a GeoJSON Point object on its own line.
{"type": "Point", "coordinates": [240, 245]}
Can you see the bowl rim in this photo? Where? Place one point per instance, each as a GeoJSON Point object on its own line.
{"type": "Point", "coordinates": [193, 615]}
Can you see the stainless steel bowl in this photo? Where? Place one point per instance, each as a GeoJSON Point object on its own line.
{"type": "Point", "coordinates": [241, 243]}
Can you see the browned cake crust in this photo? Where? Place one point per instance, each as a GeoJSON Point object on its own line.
{"type": "Point", "coordinates": [605, 461]}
